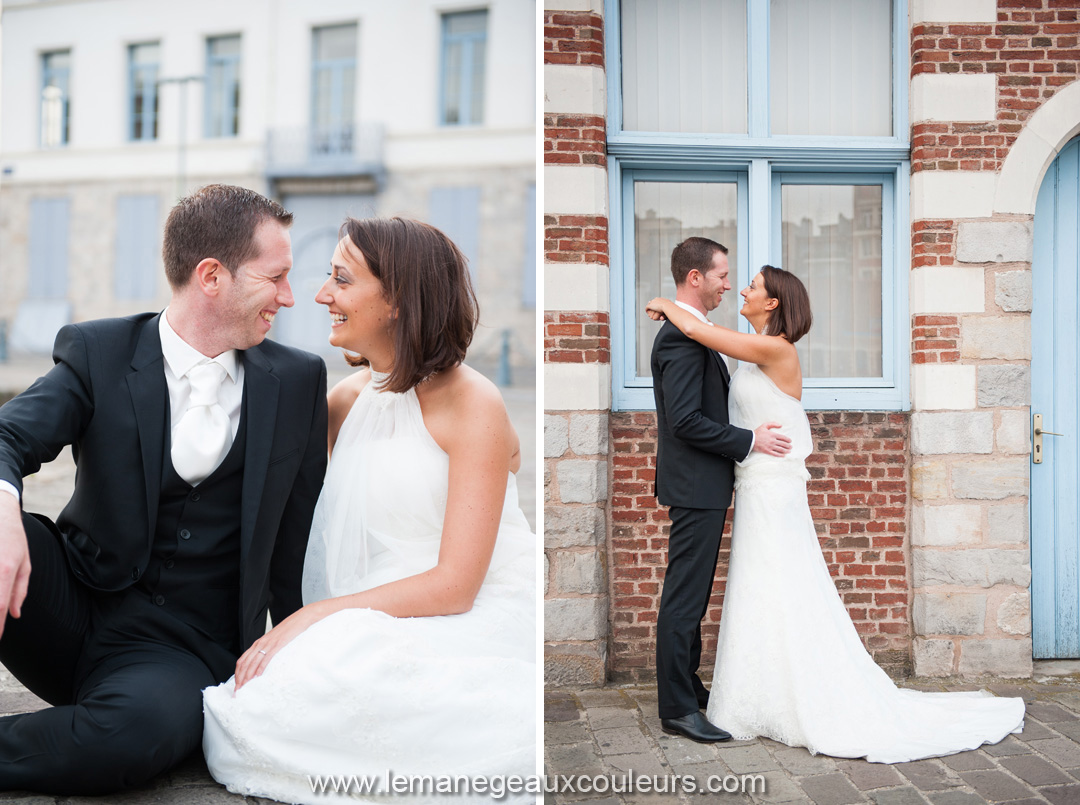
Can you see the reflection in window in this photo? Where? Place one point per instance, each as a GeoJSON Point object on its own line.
{"type": "Point", "coordinates": [223, 86]}
{"type": "Point", "coordinates": [55, 99]}
{"type": "Point", "coordinates": [831, 240]}
{"type": "Point", "coordinates": [333, 89]}
{"type": "Point", "coordinates": [830, 67]}
{"type": "Point", "coordinates": [144, 62]}
{"type": "Point", "coordinates": [464, 42]}
{"type": "Point", "coordinates": [684, 65]}
{"type": "Point", "coordinates": [665, 214]}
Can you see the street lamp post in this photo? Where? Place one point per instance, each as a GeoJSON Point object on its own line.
{"type": "Point", "coordinates": [181, 148]}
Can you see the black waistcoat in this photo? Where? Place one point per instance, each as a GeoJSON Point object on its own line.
{"type": "Point", "coordinates": [194, 568]}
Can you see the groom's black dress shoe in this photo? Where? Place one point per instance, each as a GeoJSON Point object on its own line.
{"type": "Point", "coordinates": [695, 727]}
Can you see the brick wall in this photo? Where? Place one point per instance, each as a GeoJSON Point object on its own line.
{"type": "Point", "coordinates": [858, 494]}
{"type": "Point", "coordinates": [935, 339]}
{"type": "Point", "coordinates": [573, 38]}
{"type": "Point", "coordinates": [575, 140]}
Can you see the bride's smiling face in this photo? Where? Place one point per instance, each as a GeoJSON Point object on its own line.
{"type": "Point", "coordinates": [756, 300]}
{"type": "Point", "coordinates": [360, 314]}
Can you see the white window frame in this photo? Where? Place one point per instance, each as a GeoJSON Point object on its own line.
{"type": "Point", "coordinates": [758, 158]}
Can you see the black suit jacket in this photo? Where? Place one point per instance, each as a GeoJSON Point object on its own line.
{"type": "Point", "coordinates": [107, 397]}
{"type": "Point", "coordinates": [698, 447]}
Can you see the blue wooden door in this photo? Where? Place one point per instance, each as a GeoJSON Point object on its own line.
{"type": "Point", "coordinates": [1055, 394]}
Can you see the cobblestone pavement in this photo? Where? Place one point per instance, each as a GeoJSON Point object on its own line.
{"type": "Point", "coordinates": [615, 730]}
{"type": "Point", "coordinates": [49, 489]}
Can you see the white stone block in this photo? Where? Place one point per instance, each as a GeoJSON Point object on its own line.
{"type": "Point", "coordinates": [952, 194]}
{"type": "Point", "coordinates": [1018, 182]}
{"type": "Point", "coordinates": [589, 434]}
{"type": "Point", "coordinates": [577, 386]}
{"type": "Point", "coordinates": [990, 478]}
{"type": "Point", "coordinates": [949, 613]}
{"type": "Point", "coordinates": [556, 436]}
{"type": "Point", "coordinates": [575, 619]}
{"type": "Point", "coordinates": [1057, 122]}
{"type": "Point", "coordinates": [953, 11]}
{"type": "Point", "coordinates": [1014, 614]}
{"type": "Point", "coordinates": [1008, 524]}
{"type": "Point", "coordinates": [970, 567]}
{"type": "Point", "coordinates": [1004, 384]}
{"type": "Point", "coordinates": [1005, 337]}
{"type": "Point", "coordinates": [1012, 290]}
{"type": "Point", "coordinates": [582, 481]}
{"type": "Point", "coordinates": [1012, 433]}
{"type": "Point", "coordinates": [994, 241]}
{"type": "Point", "coordinates": [579, 572]}
{"type": "Point", "coordinates": [953, 96]}
{"type": "Point", "coordinates": [575, 190]}
{"type": "Point", "coordinates": [943, 386]}
{"type": "Point", "coordinates": [1004, 658]}
{"type": "Point", "coordinates": [952, 432]}
{"type": "Point", "coordinates": [948, 289]}
{"type": "Point", "coordinates": [951, 524]}
{"type": "Point", "coordinates": [928, 480]}
{"type": "Point", "coordinates": [571, 526]}
{"type": "Point", "coordinates": [574, 89]}
{"type": "Point", "coordinates": [934, 657]}
{"type": "Point", "coordinates": [576, 286]}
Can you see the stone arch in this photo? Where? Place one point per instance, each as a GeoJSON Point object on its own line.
{"type": "Point", "coordinates": [1052, 126]}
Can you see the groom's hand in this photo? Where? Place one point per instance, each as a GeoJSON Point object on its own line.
{"type": "Point", "coordinates": [769, 443]}
{"type": "Point", "coordinates": [14, 559]}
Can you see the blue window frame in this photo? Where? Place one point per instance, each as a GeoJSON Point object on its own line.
{"type": "Point", "coordinates": [144, 63]}
{"type": "Point", "coordinates": [333, 90]}
{"type": "Point", "coordinates": [463, 65]}
{"type": "Point", "coordinates": [55, 98]}
{"type": "Point", "coordinates": [222, 116]}
{"type": "Point", "coordinates": [861, 360]}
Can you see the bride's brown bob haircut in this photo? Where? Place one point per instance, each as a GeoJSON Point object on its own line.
{"type": "Point", "coordinates": [792, 317]}
{"type": "Point", "coordinates": [425, 278]}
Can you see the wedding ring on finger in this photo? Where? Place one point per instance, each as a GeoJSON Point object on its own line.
{"type": "Point", "coordinates": [261, 651]}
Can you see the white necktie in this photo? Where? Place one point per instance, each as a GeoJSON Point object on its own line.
{"type": "Point", "coordinates": [203, 436]}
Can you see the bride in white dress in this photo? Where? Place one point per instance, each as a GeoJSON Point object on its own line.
{"type": "Point", "coordinates": [789, 664]}
{"type": "Point", "coordinates": [415, 651]}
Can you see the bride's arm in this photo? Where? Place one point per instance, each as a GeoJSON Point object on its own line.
{"type": "Point", "coordinates": [759, 349]}
{"type": "Point", "coordinates": [480, 441]}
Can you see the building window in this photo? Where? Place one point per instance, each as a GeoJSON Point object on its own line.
{"type": "Point", "coordinates": [55, 98]}
{"type": "Point", "coordinates": [783, 136]}
{"type": "Point", "coordinates": [144, 62]}
{"type": "Point", "coordinates": [222, 86]}
{"type": "Point", "coordinates": [48, 248]}
{"type": "Point", "coordinates": [137, 255]}
{"type": "Point", "coordinates": [528, 276]}
{"type": "Point", "coordinates": [464, 45]}
{"type": "Point", "coordinates": [456, 211]}
{"type": "Point", "coordinates": [333, 90]}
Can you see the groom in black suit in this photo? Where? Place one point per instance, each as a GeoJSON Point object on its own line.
{"type": "Point", "coordinates": [695, 474]}
{"type": "Point", "coordinates": [201, 450]}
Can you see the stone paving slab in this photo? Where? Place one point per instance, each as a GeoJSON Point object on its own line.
{"type": "Point", "coordinates": [1039, 765]}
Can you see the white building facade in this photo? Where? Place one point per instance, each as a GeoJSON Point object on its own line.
{"type": "Point", "coordinates": [112, 109]}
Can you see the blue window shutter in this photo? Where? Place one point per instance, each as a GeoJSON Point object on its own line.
{"type": "Point", "coordinates": [136, 268]}
{"type": "Point", "coordinates": [48, 248]}
{"type": "Point", "coordinates": [456, 211]}
{"type": "Point", "coordinates": [528, 287]}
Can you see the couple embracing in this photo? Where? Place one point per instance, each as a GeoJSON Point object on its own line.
{"type": "Point", "coordinates": [789, 664]}
{"type": "Point", "coordinates": [403, 633]}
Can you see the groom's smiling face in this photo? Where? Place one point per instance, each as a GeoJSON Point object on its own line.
{"type": "Point", "coordinates": [714, 282]}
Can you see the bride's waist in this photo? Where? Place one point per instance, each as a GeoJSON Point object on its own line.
{"type": "Point", "coordinates": [770, 467]}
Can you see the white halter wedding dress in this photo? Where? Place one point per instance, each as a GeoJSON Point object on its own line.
{"type": "Point", "coordinates": [789, 664]}
{"type": "Point", "coordinates": [361, 692]}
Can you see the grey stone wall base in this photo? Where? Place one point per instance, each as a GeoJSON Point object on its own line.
{"type": "Point", "coordinates": [575, 664]}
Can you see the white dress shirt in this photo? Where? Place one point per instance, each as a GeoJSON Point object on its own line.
{"type": "Point", "coordinates": [180, 357]}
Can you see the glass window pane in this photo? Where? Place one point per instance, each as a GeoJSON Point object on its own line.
{"type": "Point", "coordinates": [55, 103]}
{"type": "Point", "coordinates": [830, 67]}
{"type": "Point", "coordinates": [665, 214]}
{"type": "Point", "coordinates": [336, 42]}
{"type": "Point", "coordinates": [831, 240]}
{"type": "Point", "coordinates": [684, 65]}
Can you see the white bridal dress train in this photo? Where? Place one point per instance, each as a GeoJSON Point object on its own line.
{"type": "Point", "coordinates": [364, 693]}
{"type": "Point", "coordinates": [789, 663]}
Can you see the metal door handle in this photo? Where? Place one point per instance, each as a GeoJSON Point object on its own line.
{"type": "Point", "coordinates": [1036, 442]}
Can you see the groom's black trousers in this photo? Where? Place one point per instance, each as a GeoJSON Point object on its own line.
{"type": "Point", "coordinates": [125, 708]}
{"type": "Point", "coordinates": [693, 547]}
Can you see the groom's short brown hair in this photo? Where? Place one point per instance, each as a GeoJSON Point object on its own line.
{"type": "Point", "coordinates": [693, 253]}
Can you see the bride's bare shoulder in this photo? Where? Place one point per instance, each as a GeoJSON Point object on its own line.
{"type": "Point", "coordinates": [460, 406]}
{"type": "Point", "coordinates": [341, 397]}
